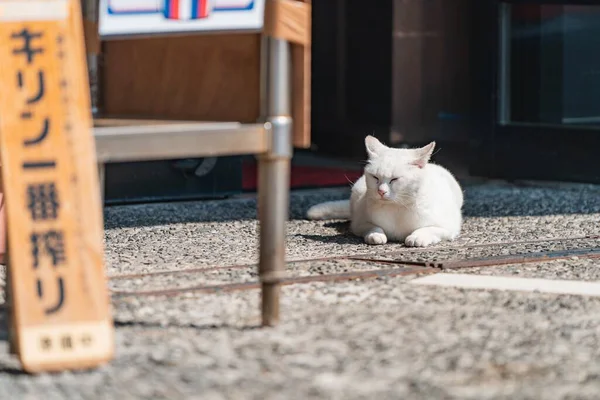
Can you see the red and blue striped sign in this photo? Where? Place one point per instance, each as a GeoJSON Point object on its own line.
{"type": "Point", "coordinates": [187, 9]}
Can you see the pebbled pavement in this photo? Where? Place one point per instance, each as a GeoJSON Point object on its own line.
{"type": "Point", "coordinates": [380, 338]}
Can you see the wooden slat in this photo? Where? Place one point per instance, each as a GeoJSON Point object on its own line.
{"type": "Point", "coordinates": [106, 121]}
{"type": "Point", "coordinates": [288, 20]}
{"type": "Point", "coordinates": [302, 92]}
{"type": "Point", "coordinates": [198, 77]}
{"type": "Point", "coordinates": [59, 299]}
{"type": "Point", "coordinates": [92, 39]}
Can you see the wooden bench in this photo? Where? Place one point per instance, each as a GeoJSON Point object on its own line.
{"type": "Point", "coordinates": [285, 99]}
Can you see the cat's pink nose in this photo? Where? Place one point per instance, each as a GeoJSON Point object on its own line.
{"type": "Point", "coordinates": [382, 192]}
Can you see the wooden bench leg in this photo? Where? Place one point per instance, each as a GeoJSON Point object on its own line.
{"type": "Point", "coordinates": [274, 179]}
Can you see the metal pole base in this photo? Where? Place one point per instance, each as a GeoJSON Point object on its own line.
{"type": "Point", "coordinates": [270, 304]}
{"type": "Point", "coordinates": [274, 176]}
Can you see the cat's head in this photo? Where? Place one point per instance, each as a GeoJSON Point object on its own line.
{"type": "Point", "coordinates": [394, 174]}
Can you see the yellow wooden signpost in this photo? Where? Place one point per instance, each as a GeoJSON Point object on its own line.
{"type": "Point", "coordinates": [59, 305]}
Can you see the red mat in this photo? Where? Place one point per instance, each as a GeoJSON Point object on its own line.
{"type": "Point", "coordinates": [305, 176]}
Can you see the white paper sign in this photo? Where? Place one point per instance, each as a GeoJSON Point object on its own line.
{"type": "Point", "coordinates": [143, 17]}
{"type": "Point", "coordinates": [32, 10]}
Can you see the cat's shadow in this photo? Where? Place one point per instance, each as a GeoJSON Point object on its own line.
{"type": "Point", "coordinates": [342, 227]}
{"type": "Point", "coordinates": [343, 236]}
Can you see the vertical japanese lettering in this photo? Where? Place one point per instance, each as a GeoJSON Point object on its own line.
{"type": "Point", "coordinates": [39, 137]}
{"type": "Point", "coordinates": [61, 298]}
{"type": "Point", "coordinates": [28, 49]}
{"type": "Point", "coordinates": [50, 243]}
{"type": "Point", "coordinates": [39, 92]}
{"type": "Point", "coordinates": [42, 201]}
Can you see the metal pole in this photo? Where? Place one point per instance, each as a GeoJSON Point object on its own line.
{"type": "Point", "coordinates": [274, 179]}
{"type": "Point", "coordinates": [102, 179]}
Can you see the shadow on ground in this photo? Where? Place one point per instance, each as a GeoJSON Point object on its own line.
{"type": "Point", "coordinates": [3, 324]}
{"type": "Point", "coordinates": [6, 369]}
{"type": "Point", "coordinates": [492, 199]}
{"type": "Point", "coordinates": [200, 327]}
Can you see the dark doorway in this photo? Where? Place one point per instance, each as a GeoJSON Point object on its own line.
{"type": "Point", "coordinates": [538, 108]}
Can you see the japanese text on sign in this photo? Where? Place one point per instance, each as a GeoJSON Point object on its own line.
{"type": "Point", "coordinates": [43, 198]}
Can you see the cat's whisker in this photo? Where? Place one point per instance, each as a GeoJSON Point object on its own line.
{"type": "Point", "coordinates": [399, 201]}
{"type": "Point", "coordinates": [405, 197]}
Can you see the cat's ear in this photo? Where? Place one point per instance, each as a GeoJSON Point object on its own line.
{"type": "Point", "coordinates": [424, 154]}
{"type": "Point", "coordinates": [374, 146]}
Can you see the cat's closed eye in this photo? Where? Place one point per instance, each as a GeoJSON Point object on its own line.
{"type": "Point", "coordinates": [376, 179]}
{"type": "Point", "coordinates": [394, 179]}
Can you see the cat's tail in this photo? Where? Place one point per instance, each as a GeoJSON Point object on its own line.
{"type": "Point", "coordinates": [330, 210]}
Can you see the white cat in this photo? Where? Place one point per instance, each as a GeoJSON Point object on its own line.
{"type": "Point", "coordinates": [401, 197]}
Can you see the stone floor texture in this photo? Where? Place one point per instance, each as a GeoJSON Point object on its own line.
{"type": "Point", "coordinates": [361, 339]}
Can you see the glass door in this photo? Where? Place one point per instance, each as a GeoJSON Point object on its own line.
{"type": "Point", "coordinates": [539, 110]}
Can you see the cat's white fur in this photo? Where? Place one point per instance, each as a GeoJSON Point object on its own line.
{"type": "Point", "coordinates": [400, 197]}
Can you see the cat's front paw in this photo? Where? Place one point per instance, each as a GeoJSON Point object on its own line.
{"type": "Point", "coordinates": [421, 239]}
{"type": "Point", "coordinates": [375, 238]}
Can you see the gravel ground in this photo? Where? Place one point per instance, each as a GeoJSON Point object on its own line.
{"type": "Point", "coordinates": [190, 235]}
{"type": "Point", "coordinates": [381, 338]}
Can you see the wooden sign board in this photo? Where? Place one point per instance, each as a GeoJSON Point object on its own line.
{"type": "Point", "coordinates": [59, 304]}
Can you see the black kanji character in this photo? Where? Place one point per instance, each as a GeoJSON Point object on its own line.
{"type": "Point", "coordinates": [41, 136]}
{"type": "Point", "coordinates": [42, 201]}
{"type": "Point", "coordinates": [27, 48]}
{"type": "Point", "coordinates": [86, 340]}
{"type": "Point", "coordinates": [41, 87]}
{"type": "Point", "coordinates": [53, 245]}
{"type": "Point", "coordinates": [61, 298]}
{"type": "Point", "coordinates": [35, 253]}
{"type": "Point", "coordinates": [38, 164]}
{"type": "Point", "coordinates": [67, 342]}
{"type": "Point", "coordinates": [46, 343]}
{"type": "Point", "coordinates": [40, 290]}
